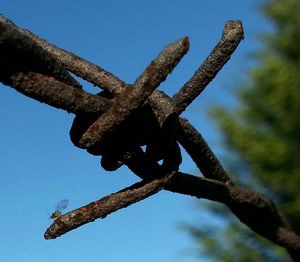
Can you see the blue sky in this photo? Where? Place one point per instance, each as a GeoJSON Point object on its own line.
{"type": "Point", "coordinates": [40, 166]}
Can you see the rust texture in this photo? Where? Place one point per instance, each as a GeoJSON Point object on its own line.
{"type": "Point", "coordinates": [131, 99]}
{"type": "Point", "coordinates": [232, 35]}
{"type": "Point", "coordinates": [105, 206]}
{"type": "Point", "coordinates": [20, 53]}
{"type": "Point", "coordinates": [122, 118]}
{"type": "Point", "coordinates": [204, 158]}
{"type": "Point", "coordinates": [48, 90]}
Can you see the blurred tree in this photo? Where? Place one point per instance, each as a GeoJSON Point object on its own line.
{"type": "Point", "coordinates": [263, 135]}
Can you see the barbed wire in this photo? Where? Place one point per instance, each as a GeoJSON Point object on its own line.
{"type": "Point", "coordinates": [116, 123]}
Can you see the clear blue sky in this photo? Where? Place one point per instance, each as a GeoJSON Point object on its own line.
{"type": "Point", "coordinates": [39, 166]}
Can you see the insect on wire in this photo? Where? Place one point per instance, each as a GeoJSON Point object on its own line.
{"type": "Point", "coordinates": [59, 208]}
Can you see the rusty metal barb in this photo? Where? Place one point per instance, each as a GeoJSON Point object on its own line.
{"type": "Point", "coordinates": [232, 35]}
{"type": "Point", "coordinates": [106, 205]}
{"type": "Point", "coordinates": [157, 71]}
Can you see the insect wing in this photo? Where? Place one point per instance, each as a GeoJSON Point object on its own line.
{"type": "Point", "coordinates": [62, 205]}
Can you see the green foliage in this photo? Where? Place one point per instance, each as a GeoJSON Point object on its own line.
{"type": "Point", "coordinates": [263, 132]}
{"type": "Point", "coordinates": [231, 241]}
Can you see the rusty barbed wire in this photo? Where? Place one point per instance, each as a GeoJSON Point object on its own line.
{"type": "Point", "coordinates": [117, 122]}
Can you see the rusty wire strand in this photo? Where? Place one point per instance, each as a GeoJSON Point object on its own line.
{"type": "Point", "coordinates": [28, 55]}
{"type": "Point", "coordinates": [75, 64]}
{"type": "Point", "coordinates": [57, 94]}
{"type": "Point", "coordinates": [200, 152]}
